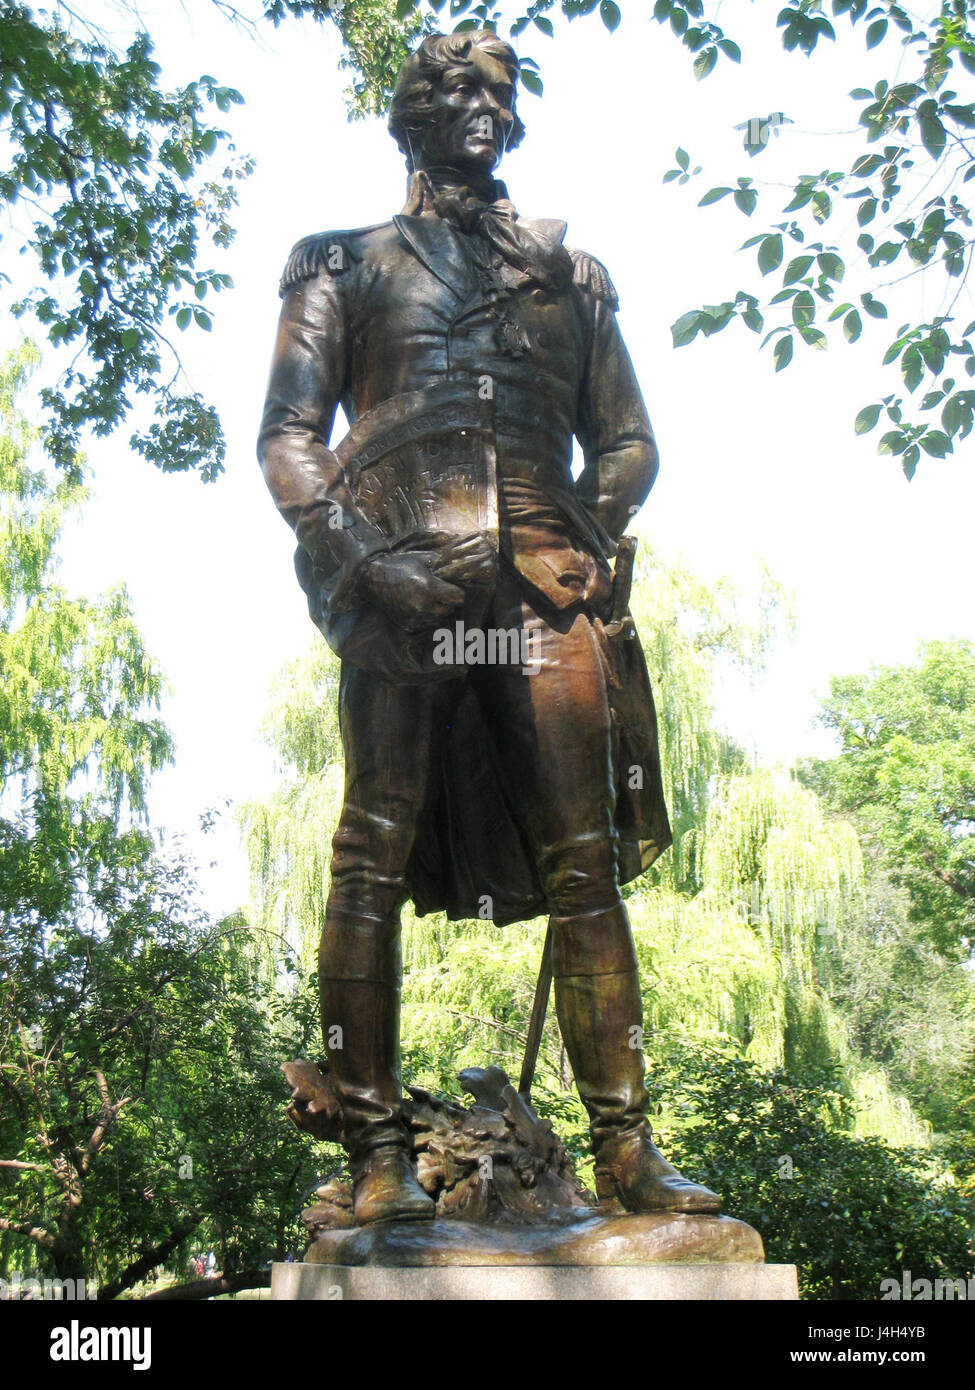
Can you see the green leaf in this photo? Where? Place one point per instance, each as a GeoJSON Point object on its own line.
{"type": "Point", "coordinates": [933, 135]}
{"type": "Point", "coordinates": [746, 200]}
{"type": "Point", "coordinates": [953, 415]}
{"type": "Point", "coordinates": [822, 206]}
{"type": "Point", "coordinates": [936, 444]}
{"type": "Point", "coordinates": [964, 115]}
{"type": "Point", "coordinates": [796, 269]}
{"type": "Point", "coordinates": [912, 368]}
{"type": "Point", "coordinates": [180, 162]}
{"type": "Point", "coordinates": [531, 81]}
{"type": "Point", "coordinates": [802, 196]}
{"type": "Point", "coordinates": [770, 254]}
{"type": "Point", "coordinates": [803, 309]}
{"type": "Point", "coordinates": [783, 352]}
{"type": "Point", "coordinates": [713, 195]}
{"type": "Point", "coordinates": [866, 165]}
{"type": "Point", "coordinates": [609, 13]}
{"type": "Point", "coordinates": [867, 419]}
{"type": "Point", "coordinates": [852, 326]}
{"type": "Point", "coordinates": [873, 306]}
{"type": "Point", "coordinates": [704, 63]}
{"type": "Point", "coordinates": [686, 328]}
{"type": "Point", "coordinates": [893, 442]}
{"type": "Point", "coordinates": [876, 32]}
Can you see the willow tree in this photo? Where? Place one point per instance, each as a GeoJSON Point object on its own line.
{"type": "Point", "coordinates": [747, 960]}
{"type": "Point", "coordinates": [288, 836]}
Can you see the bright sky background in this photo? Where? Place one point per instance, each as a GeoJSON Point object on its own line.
{"type": "Point", "coordinates": [754, 465]}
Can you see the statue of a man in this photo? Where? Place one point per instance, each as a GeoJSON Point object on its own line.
{"type": "Point", "coordinates": [467, 346]}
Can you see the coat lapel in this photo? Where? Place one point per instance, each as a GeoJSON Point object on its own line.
{"type": "Point", "coordinates": [437, 245]}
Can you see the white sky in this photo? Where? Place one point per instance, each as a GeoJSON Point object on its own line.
{"type": "Point", "coordinates": [753, 464]}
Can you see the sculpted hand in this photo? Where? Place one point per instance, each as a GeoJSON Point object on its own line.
{"type": "Point", "coordinates": [467, 560]}
{"type": "Point", "coordinates": [405, 587]}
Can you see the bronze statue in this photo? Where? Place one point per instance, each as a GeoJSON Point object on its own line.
{"type": "Point", "coordinates": [484, 776]}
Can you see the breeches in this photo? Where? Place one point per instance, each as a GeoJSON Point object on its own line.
{"type": "Point", "coordinates": [550, 734]}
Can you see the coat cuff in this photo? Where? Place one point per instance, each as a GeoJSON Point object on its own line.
{"type": "Point", "coordinates": [338, 552]}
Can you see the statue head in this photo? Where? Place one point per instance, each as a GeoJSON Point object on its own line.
{"type": "Point", "coordinates": [454, 103]}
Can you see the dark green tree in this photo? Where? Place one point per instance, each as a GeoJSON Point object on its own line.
{"type": "Point", "coordinates": [139, 1059]}
{"type": "Point", "coordinates": [906, 772]}
{"type": "Point", "coordinates": [908, 1008]}
{"type": "Point", "coordinates": [849, 1212]}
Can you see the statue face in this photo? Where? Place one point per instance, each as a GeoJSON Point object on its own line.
{"type": "Point", "coordinates": [472, 117]}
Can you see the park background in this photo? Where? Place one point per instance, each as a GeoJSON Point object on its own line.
{"type": "Point", "coordinates": [779, 550]}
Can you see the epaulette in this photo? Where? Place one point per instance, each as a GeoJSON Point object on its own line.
{"type": "Point", "coordinates": [328, 252]}
{"type": "Point", "coordinates": [593, 277]}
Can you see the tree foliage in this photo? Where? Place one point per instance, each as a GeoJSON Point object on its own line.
{"type": "Point", "coordinates": [850, 1212]}
{"type": "Point", "coordinates": [115, 187]}
{"type": "Point", "coordinates": [907, 187]}
{"type": "Point", "coordinates": [906, 770]}
{"type": "Point", "coordinates": [138, 1063]}
{"type": "Point", "coordinates": [908, 1008]}
{"type": "Point", "coordinates": [377, 35]}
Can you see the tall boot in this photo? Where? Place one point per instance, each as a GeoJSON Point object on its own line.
{"type": "Point", "coordinates": [600, 1012]}
{"type": "Point", "coordinates": [359, 976]}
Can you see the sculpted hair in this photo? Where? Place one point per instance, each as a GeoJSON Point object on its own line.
{"type": "Point", "coordinates": [412, 102]}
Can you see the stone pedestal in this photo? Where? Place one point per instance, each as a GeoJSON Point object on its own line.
{"type": "Point", "coordinates": [534, 1283]}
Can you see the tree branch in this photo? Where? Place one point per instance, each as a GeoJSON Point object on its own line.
{"type": "Point", "coordinates": [210, 1288]}
{"type": "Point", "coordinates": [963, 890]}
{"type": "Point", "coordinates": [139, 1268]}
{"type": "Point", "coordinates": [27, 1228]}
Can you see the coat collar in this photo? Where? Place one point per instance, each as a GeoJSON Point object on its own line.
{"type": "Point", "coordinates": [437, 244]}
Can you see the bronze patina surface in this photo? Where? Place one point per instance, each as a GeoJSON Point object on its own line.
{"type": "Point", "coordinates": [468, 347]}
{"type": "Point", "coordinates": [591, 1239]}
